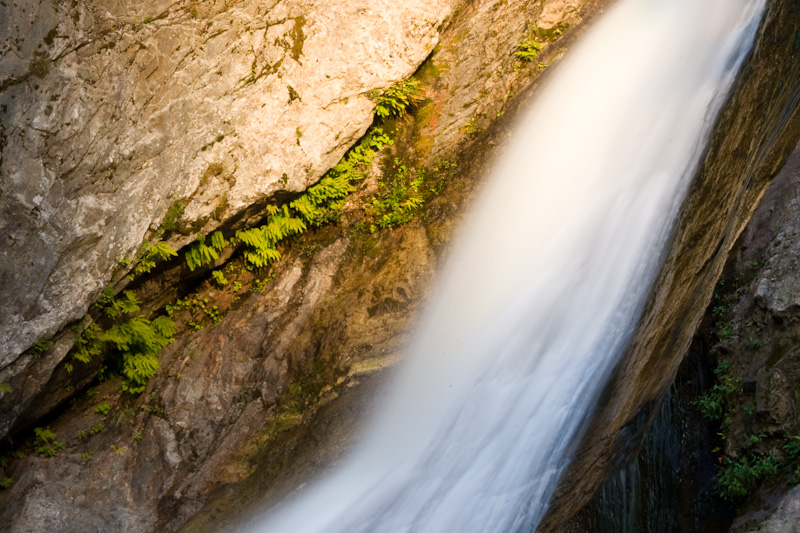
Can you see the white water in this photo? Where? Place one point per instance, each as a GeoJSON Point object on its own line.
{"type": "Point", "coordinates": [546, 283]}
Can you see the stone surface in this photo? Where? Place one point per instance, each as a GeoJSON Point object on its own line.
{"type": "Point", "coordinates": [111, 112]}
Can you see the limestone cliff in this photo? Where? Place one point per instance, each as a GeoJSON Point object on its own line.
{"type": "Point", "coordinates": [115, 116]}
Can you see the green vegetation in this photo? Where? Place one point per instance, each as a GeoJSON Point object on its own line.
{"type": "Point", "coordinates": [738, 478]}
{"type": "Point", "coordinates": [45, 442]}
{"type": "Point", "coordinates": [319, 204]}
{"type": "Point", "coordinates": [97, 428]}
{"type": "Point", "coordinates": [6, 483]}
{"type": "Point", "coordinates": [219, 277]}
{"type": "Point", "coordinates": [41, 346]}
{"type": "Point", "coordinates": [174, 213]}
{"type": "Point", "coordinates": [398, 98]}
{"type": "Point", "coordinates": [5, 388]}
{"type": "Point", "coordinates": [262, 240]}
{"type": "Point", "coordinates": [201, 254]}
{"type": "Point", "coordinates": [717, 404]}
{"type": "Point", "coordinates": [136, 343]}
{"type": "Point", "coordinates": [103, 409]}
{"type": "Point", "coordinates": [528, 50]}
{"type": "Point", "coordinates": [398, 198]}
{"type": "Point", "coordinates": [41, 67]}
{"type": "Point", "coordinates": [195, 306]}
{"type": "Point", "coordinates": [158, 252]}
{"type": "Point", "coordinates": [131, 343]}
{"type": "Point", "coordinates": [88, 344]}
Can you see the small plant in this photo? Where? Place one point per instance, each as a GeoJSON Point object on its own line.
{"type": "Point", "coordinates": [6, 483]}
{"type": "Point", "coordinates": [137, 437]}
{"type": "Point", "coordinates": [41, 67]}
{"type": "Point", "coordinates": [219, 277]}
{"type": "Point", "coordinates": [754, 342]}
{"type": "Point", "coordinates": [528, 50]}
{"type": "Point", "coordinates": [160, 251]}
{"type": "Point", "coordinates": [715, 402]}
{"type": "Point", "coordinates": [102, 409]}
{"type": "Point", "coordinates": [398, 199]}
{"type": "Point", "coordinates": [118, 449]}
{"type": "Point", "coordinates": [398, 98]}
{"type": "Point", "coordinates": [153, 410]}
{"type": "Point", "coordinates": [148, 20]}
{"type": "Point", "coordinates": [81, 435]}
{"type": "Point", "coordinates": [114, 307]}
{"type": "Point", "coordinates": [45, 442]}
{"type": "Point", "coordinates": [5, 388]}
{"type": "Point", "coordinates": [41, 346]}
{"type": "Point", "coordinates": [97, 428]}
{"type": "Point", "coordinates": [88, 345]}
{"type": "Point", "coordinates": [260, 284]}
{"type": "Point", "coordinates": [735, 479]}
{"type": "Point", "coordinates": [174, 213]}
{"type": "Point", "coordinates": [201, 254]}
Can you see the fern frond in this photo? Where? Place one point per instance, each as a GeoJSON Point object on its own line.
{"type": "Point", "coordinates": [261, 257]}
{"type": "Point", "coordinates": [218, 241]}
{"type": "Point", "coordinates": [161, 251]}
{"type": "Point", "coordinates": [200, 254]}
{"type": "Point", "coordinates": [88, 344]}
{"type": "Point", "coordinates": [115, 307]}
{"type": "Point", "coordinates": [139, 368]}
{"type": "Point", "coordinates": [164, 326]}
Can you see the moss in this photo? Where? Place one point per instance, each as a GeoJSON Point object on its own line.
{"type": "Point", "coordinates": [174, 213]}
{"type": "Point", "coordinates": [41, 67]}
{"type": "Point", "coordinates": [298, 37]}
{"type": "Point", "coordinates": [293, 94]}
{"type": "Point", "coordinates": [213, 170]}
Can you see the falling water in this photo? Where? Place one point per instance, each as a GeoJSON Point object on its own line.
{"type": "Point", "coordinates": [546, 283]}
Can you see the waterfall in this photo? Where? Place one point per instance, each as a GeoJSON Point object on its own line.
{"type": "Point", "coordinates": [545, 284]}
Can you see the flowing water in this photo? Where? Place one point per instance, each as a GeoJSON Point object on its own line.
{"type": "Point", "coordinates": [545, 284]}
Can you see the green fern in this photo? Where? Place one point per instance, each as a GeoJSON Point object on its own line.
{"type": "Point", "coordinates": [218, 241]}
{"type": "Point", "coordinates": [220, 278]}
{"type": "Point", "coordinates": [398, 98]}
{"type": "Point", "coordinates": [160, 251]}
{"type": "Point", "coordinates": [149, 255]}
{"type": "Point", "coordinates": [45, 442]}
{"type": "Point", "coordinates": [398, 199]}
{"type": "Point", "coordinates": [528, 50]}
{"type": "Point", "coordinates": [163, 326]}
{"type": "Point", "coordinates": [201, 254]}
{"type": "Point", "coordinates": [40, 346]}
{"type": "Point", "coordinates": [114, 307]}
{"type": "Point", "coordinates": [137, 343]}
{"type": "Point", "coordinates": [317, 205]}
{"type": "Point", "coordinates": [88, 344]}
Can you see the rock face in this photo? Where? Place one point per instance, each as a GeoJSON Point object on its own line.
{"type": "Point", "coordinates": [113, 114]}
{"type": "Point", "coordinates": [753, 138]}
{"type": "Point", "coordinates": [342, 298]}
